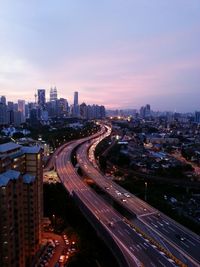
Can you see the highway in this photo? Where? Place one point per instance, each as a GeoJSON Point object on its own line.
{"type": "Point", "coordinates": [178, 240]}
{"type": "Point", "coordinates": [137, 250]}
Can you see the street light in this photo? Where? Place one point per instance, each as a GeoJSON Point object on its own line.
{"type": "Point", "coordinates": [145, 191]}
{"type": "Point", "coordinates": [54, 221]}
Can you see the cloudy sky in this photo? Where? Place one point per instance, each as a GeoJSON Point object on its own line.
{"type": "Point", "coordinates": [120, 53]}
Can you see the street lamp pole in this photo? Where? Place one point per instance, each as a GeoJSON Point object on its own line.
{"type": "Point", "coordinates": [54, 222]}
{"type": "Point", "coordinates": [145, 191]}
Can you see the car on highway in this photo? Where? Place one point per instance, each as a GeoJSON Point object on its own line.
{"type": "Point", "coordinates": [182, 238]}
{"type": "Point", "coordinates": [62, 258]}
{"type": "Point", "coordinates": [56, 242]}
{"type": "Point", "coordinates": [111, 224]}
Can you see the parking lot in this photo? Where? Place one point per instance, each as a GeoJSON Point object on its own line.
{"type": "Point", "coordinates": [50, 177]}
{"type": "Point", "coordinates": [57, 252]}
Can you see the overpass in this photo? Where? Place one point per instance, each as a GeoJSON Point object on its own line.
{"type": "Point", "coordinates": [175, 238]}
{"type": "Point", "coordinates": [130, 247]}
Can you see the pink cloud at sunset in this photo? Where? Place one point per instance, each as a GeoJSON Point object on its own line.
{"type": "Point", "coordinates": [120, 54]}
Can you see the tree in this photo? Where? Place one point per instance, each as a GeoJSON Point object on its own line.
{"type": "Point", "coordinates": [18, 135]}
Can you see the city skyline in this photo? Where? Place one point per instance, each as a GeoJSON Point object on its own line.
{"type": "Point", "coordinates": [119, 54]}
{"type": "Point", "coordinates": [46, 96]}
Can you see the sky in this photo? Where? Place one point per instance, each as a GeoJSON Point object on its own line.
{"type": "Point", "coordinates": [119, 53]}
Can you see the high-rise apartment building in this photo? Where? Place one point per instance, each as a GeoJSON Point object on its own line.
{"type": "Point", "coordinates": [41, 98]}
{"type": "Point", "coordinates": [20, 204]}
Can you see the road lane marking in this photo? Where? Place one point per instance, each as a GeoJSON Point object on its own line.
{"type": "Point", "coordinates": [189, 241]}
{"type": "Point", "coordinates": [154, 225]}
{"type": "Point", "coordinates": [143, 246]}
{"type": "Point", "coordinates": [171, 229]}
{"type": "Point", "coordinates": [166, 222]}
{"type": "Point", "coordinates": [165, 230]}
{"type": "Point", "coordinates": [161, 224]}
{"type": "Point", "coordinates": [152, 264]}
{"type": "Point", "coordinates": [161, 263]}
{"type": "Point", "coordinates": [120, 233]}
{"type": "Point", "coordinates": [127, 231]}
{"type": "Point", "coordinates": [184, 244]}
{"type": "Point", "coordinates": [146, 244]}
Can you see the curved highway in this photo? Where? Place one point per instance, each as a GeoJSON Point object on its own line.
{"type": "Point", "coordinates": [137, 250]}
{"type": "Point", "coordinates": [172, 236]}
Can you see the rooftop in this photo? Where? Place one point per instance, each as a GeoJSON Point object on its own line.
{"type": "Point", "coordinates": [7, 176]}
{"type": "Point", "coordinates": [8, 147]}
{"type": "Point", "coordinates": [28, 178]}
{"type": "Point", "coordinates": [31, 149]}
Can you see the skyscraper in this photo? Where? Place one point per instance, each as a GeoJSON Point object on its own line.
{"type": "Point", "coordinates": [83, 111]}
{"type": "Point", "coordinates": [3, 112]}
{"type": "Point", "coordinates": [61, 107]}
{"type": "Point", "coordinates": [197, 117]}
{"type": "Point", "coordinates": [41, 98]}
{"type": "Point", "coordinates": [21, 108]}
{"type": "Point", "coordinates": [92, 112]}
{"type": "Point", "coordinates": [148, 110]}
{"type": "Point", "coordinates": [76, 106]}
{"type": "Point", "coordinates": [53, 94]}
{"type": "Point", "coordinates": [3, 100]}
{"type": "Point", "coordinates": [10, 105]}
{"type": "Point", "coordinates": [34, 117]}
{"type": "Point", "coordinates": [75, 98]}
{"type": "Point", "coordinates": [145, 111]}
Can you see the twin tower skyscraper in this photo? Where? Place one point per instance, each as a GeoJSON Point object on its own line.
{"type": "Point", "coordinates": [42, 96]}
{"type": "Point", "coordinates": [54, 97]}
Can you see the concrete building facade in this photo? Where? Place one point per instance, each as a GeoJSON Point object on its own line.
{"type": "Point", "coordinates": [20, 204]}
